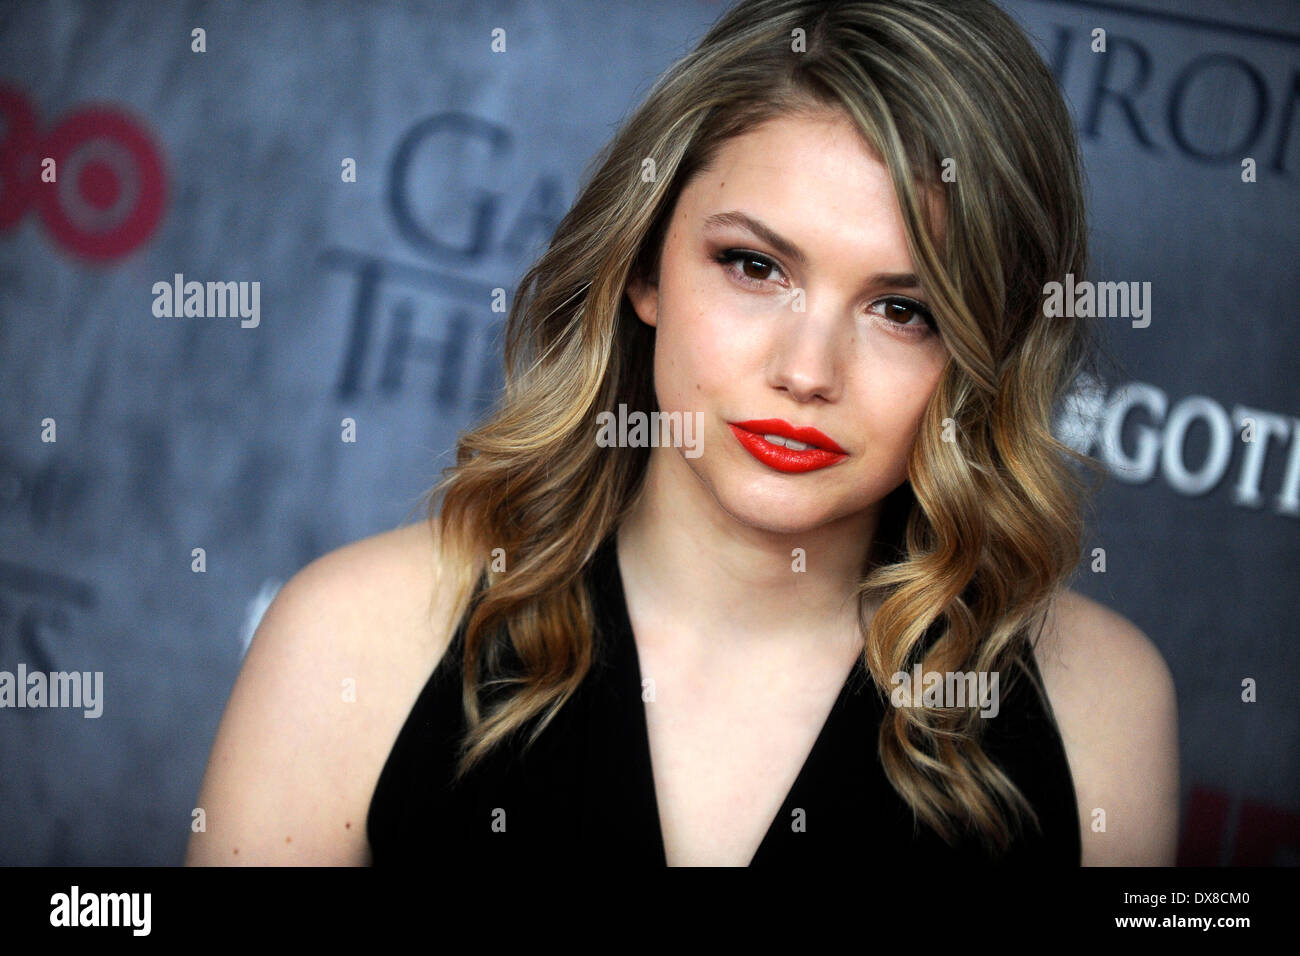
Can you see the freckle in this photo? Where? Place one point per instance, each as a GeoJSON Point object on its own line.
{"type": "Point", "coordinates": [236, 851]}
{"type": "Point", "coordinates": [288, 839]}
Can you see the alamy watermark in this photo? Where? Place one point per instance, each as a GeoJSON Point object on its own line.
{"type": "Point", "coordinates": [946, 689]}
{"type": "Point", "coordinates": [77, 689]}
{"type": "Point", "coordinates": [76, 908]}
{"type": "Point", "coordinates": [1099, 299]}
{"type": "Point", "coordinates": [658, 429]}
{"type": "Point", "coordinates": [211, 300]}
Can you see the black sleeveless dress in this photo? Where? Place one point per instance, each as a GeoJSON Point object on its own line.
{"type": "Point", "coordinates": [584, 793]}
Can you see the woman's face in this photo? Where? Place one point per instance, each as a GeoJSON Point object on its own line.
{"type": "Point", "coordinates": [783, 294]}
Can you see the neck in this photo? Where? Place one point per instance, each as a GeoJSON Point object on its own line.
{"type": "Point", "coordinates": [716, 579]}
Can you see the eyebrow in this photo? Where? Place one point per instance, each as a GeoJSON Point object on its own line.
{"type": "Point", "coordinates": [740, 220]}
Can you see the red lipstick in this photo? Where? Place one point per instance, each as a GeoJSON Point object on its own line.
{"type": "Point", "coordinates": [823, 451]}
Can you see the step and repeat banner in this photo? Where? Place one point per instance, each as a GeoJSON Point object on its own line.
{"type": "Point", "coordinates": [255, 226]}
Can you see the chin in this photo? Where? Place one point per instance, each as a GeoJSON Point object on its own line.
{"type": "Point", "coordinates": [784, 525]}
{"type": "Point", "coordinates": [775, 514]}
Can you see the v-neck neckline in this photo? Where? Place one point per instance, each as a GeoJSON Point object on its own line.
{"type": "Point", "coordinates": [625, 638]}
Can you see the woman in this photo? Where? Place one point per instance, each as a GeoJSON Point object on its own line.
{"type": "Point", "coordinates": [823, 242]}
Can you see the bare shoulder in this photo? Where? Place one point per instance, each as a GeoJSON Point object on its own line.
{"type": "Point", "coordinates": [1114, 700]}
{"type": "Point", "coordinates": [336, 664]}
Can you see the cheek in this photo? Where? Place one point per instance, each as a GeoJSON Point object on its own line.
{"type": "Point", "coordinates": [894, 397]}
{"type": "Point", "coordinates": [698, 346]}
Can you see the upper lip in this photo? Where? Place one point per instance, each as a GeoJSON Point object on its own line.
{"type": "Point", "coordinates": [806, 434]}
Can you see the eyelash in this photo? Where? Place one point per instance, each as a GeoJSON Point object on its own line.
{"type": "Point", "coordinates": [728, 256]}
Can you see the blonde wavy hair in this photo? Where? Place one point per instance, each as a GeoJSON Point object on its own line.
{"type": "Point", "coordinates": [988, 526]}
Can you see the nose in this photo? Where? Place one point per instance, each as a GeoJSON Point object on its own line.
{"type": "Point", "coordinates": [806, 357]}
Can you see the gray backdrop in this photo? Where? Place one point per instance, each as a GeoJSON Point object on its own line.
{"type": "Point", "coordinates": [176, 433]}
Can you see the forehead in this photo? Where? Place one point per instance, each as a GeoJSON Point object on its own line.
{"type": "Point", "coordinates": [824, 152]}
{"type": "Point", "coordinates": [814, 172]}
{"type": "Point", "coordinates": [811, 176]}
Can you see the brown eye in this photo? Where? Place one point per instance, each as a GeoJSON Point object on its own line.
{"type": "Point", "coordinates": [900, 311]}
{"type": "Point", "coordinates": [749, 268]}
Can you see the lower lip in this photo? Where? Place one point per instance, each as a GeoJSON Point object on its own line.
{"type": "Point", "coordinates": [785, 459]}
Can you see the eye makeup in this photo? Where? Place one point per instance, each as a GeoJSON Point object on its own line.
{"type": "Point", "coordinates": [736, 261]}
